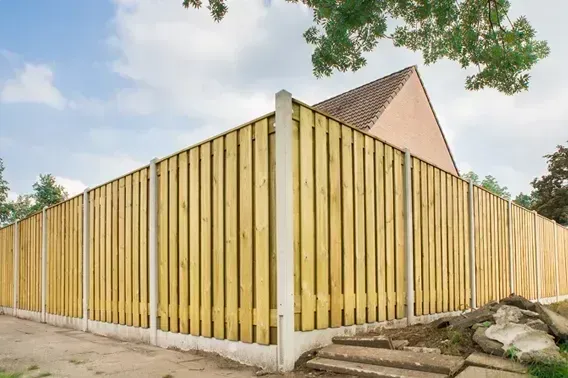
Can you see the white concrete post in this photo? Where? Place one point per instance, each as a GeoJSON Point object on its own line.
{"type": "Point", "coordinates": [472, 278]}
{"type": "Point", "coordinates": [537, 249]}
{"type": "Point", "coordinates": [153, 251]}
{"type": "Point", "coordinates": [408, 245]}
{"type": "Point", "coordinates": [16, 268]}
{"type": "Point", "coordinates": [43, 263]}
{"type": "Point", "coordinates": [284, 231]}
{"type": "Point", "coordinates": [510, 236]}
{"type": "Point", "coordinates": [556, 261]}
{"type": "Point", "coordinates": [86, 267]}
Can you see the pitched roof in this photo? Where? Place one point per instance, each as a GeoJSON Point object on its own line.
{"type": "Point", "coordinates": [362, 106]}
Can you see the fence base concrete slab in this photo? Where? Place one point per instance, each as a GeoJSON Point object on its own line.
{"type": "Point", "coordinates": [119, 331]}
{"type": "Point", "coordinates": [64, 321]}
{"type": "Point", "coordinates": [366, 370]}
{"type": "Point", "coordinates": [6, 310]}
{"type": "Point", "coordinates": [264, 356]}
{"type": "Point", "coordinates": [551, 300]}
{"type": "Point", "coordinates": [29, 315]}
{"type": "Point", "coordinates": [494, 362]}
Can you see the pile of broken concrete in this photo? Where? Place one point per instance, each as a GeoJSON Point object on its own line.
{"type": "Point", "coordinates": [514, 327]}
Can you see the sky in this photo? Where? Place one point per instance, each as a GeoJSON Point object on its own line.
{"type": "Point", "coordinates": [92, 89]}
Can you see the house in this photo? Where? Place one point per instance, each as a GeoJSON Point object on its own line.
{"type": "Point", "coordinates": [396, 109]}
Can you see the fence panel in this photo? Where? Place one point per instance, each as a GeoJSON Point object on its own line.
{"type": "Point", "coordinates": [441, 244]}
{"type": "Point", "coordinates": [545, 229]}
{"type": "Point", "coordinates": [348, 224]}
{"type": "Point", "coordinates": [524, 251]}
{"type": "Point", "coordinates": [30, 244]}
{"type": "Point", "coordinates": [7, 266]}
{"type": "Point", "coordinates": [118, 284]}
{"type": "Point", "coordinates": [216, 237]}
{"type": "Point", "coordinates": [65, 258]}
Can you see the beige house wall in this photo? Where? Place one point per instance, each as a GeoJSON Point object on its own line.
{"type": "Point", "coordinates": [409, 122]}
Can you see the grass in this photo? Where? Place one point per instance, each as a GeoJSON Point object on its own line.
{"type": "Point", "coordinates": [10, 375]}
{"type": "Point", "coordinates": [549, 370]}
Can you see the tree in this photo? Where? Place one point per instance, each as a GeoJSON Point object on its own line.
{"type": "Point", "coordinates": [473, 33]}
{"type": "Point", "coordinates": [524, 200]}
{"type": "Point", "coordinates": [4, 188]}
{"type": "Point", "coordinates": [489, 182]}
{"type": "Point", "coordinates": [47, 192]}
{"type": "Point", "coordinates": [551, 190]}
{"type": "Point", "coordinates": [21, 208]}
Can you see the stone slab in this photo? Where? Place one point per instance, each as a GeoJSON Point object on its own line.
{"type": "Point", "coordinates": [364, 341]}
{"type": "Point", "coordinates": [497, 363]}
{"type": "Point", "coordinates": [479, 372]}
{"type": "Point", "coordinates": [556, 322]}
{"type": "Point", "coordinates": [367, 370]}
{"type": "Point", "coordinates": [433, 363]}
{"type": "Point", "coordinates": [399, 344]}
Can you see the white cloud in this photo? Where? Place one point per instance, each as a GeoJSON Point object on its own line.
{"type": "Point", "coordinates": [72, 186]}
{"type": "Point", "coordinates": [34, 84]}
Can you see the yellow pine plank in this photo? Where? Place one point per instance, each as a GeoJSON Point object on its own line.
{"type": "Point", "coordinates": [128, 249]}
{"type": "Point", "coordinates": [60, 280]}
{"type": "Point", "coordinates": [73, 270]}
{"type": "Point", "coordinates": [370, 217]}
{"type": "Point", "coordinates": [431, 239]}
{"type": "Point", "coordinates": [390, 233]}
{"type": "Point", "coordinates": [108, 252]}
{"type": "Point", "coordinates": [438, 240]}
{"type": "Point", "coordinates": [479, 249]}
{"type": "Point", "coordinates": [273, 264]}
{"type": "Point", "coordinates": [296, 211]}
{"type": "Point", "coordinates": [467, 288]}
{"type": "Point", "coordinates": [307, 218]}
{"type": "Point", "coordinates": [450, 183]}
{"type": "Point", "coordinates": [80, 234]}
{"type": "Point", "coordinates": [444, 232]}
{"type": "Point", "coordinates": [65, 261]}
{"type": "Point", "coordinates": [399, 234]}
{"type": "Point", "coordinates": [424, 220]}
{"type": "Point", "coordinates": [121, 252]}
{"type": "Point", "coordinates": [102, 254]}
{"type": "Point", "coordinates": [144, 247]}
{"type": "Point", "coordinates": [322, 222]}
{"type": "Point", "coordinates": [115, 252]}
{"type": "Point", "coordinates": [381, 252]}
{"type": "Point", "coordinates": [92, 201]}
{"type": "Point", "coordinates": [163, 279]}
{"type": "Point", "coordinates": [416, 228]}
{"type": "Point", "coordinates": [218, 240]}
{"type": "Point", "coordinates": [183, 198]}
{"type": "Point", "coordinates": [205, 150]}
{"type": "Point", "coordinates": [261, 239]}
{"type": "Point", "coordinates": [348, 224]}
{"type": "Point", "coordinates": [173, 244]}
{"type": "Point", "coordinates": [232, 237]}
{"type": "Point", "coordinates": [360, 268]}
{"type": "Point", "coordinates": [194, 239]}
{"type": "Point", "coordinates": [455, 240]}
{"type": "Point", "coordinates": [246, 234]}
{"type": "Point", "coordinates": [335, 222]}
{"type": "Point", "coordinates": [97, 254]}
{"type": "Point", "coordinates": [463, 240]}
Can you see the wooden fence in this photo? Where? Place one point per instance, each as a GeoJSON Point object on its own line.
{"type": "Point", "coordinates": [215, 239]}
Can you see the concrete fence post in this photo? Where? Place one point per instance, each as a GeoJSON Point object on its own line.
{"type": "Point", "coordinates": [43, 263]}
{"type": "Point", "coordinates": [472, 277]}
{"type": "Point", "coordinates": [408, 232]}
{"type": "Point", "coordinates": [556, 261]}
{"type": "Point", "coordinates": [284, 230]}
{"type": "Point", "coordinates": [537, 249]}
{"type": "Point", "coordinates": [510, 237]}
{"type": "Point", "coordinates": [16, 268]}
{"type": "Point", "coordinates": [153, 251]}
{"type": "Point", "coordinates": [86, 267]}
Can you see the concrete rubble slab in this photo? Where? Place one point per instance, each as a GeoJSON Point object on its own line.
{"type": "Point", "coordinates": [365, 341]}
{"type": "Point", "coordinates": [433, 363]}
{"type": "Point", "coordinates": [496, 363]}
{"type": "Point", "coordinates": [367, 370]}
{"type": "Point", "coordinates": [478, 372]}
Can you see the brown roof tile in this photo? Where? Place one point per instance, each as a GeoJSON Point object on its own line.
{"type": "Point", "coordinates": [362, 106]}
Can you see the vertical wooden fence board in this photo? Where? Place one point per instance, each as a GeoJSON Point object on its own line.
{"type": "Point", "coordinates": [163, 236]}
{"type": "Point", "coordinates": [102, 254]}
{"type": "Point", "coordinates": [97, 254]}
{"type": "Point", "coordinates": [390, 233]}
{"type": "Point", "coordinates": [205, 150]}
{"type": "Point", "coordinates": [136, 251]}
{"type": "Point", "coordinates": [232, 236]}
{"type": "Point", "coordinates": [348, 225]}
{"type": "Point", "coordinates": [370, 217]}
{"type": "Point", "coordinates": [424, 241]}
{"type": "Point", "coordinates": [144, 248]}
{"type": "Point", "coordinates": [400, 259]}
{"type": "Point", "coordinates": [335, 232]}
{"type": "Point", "coordinates": [452, 182]}
{"type": "Point", "coordinates": [194, 243]}
{"type": "Point", "coordinates": [296, 214]}
{"type": "Point", "coordinates": [128, 248]}
{"type": "Point", "coordinates": [360, 271]}
{"type": "Point", "coordinates": [183, 243]}
{"type": "Point", "coordinates": [218, 240]}
{"type": "Point", "coordinates": [444, 240]}
{"type": "Point", "coordinates": [416, 228]}
{"type": "Point", "coordinates": [431, 240]}
{"type": "Point", "coordinates": [121, 252]}
{"type": "Point", "coordinates": [381, 249]}
{"type": "Point", "coordinates": [172, 283]}
{"type": "Point", "coordinates": [115, 252]}
{"type": "Point", "coordinates": [322, 222]}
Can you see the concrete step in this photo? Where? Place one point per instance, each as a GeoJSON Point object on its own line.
{"type": "Point", "coordinates": [365, 341]}
{"type": "Point", "coordinates": [478, 372]}
{"type": "Point", "coordinates": [433, 363]}
{"type": "Point", "coordinates": [367, 370]}
{"type": "Point", "coordinates": [493, 362]}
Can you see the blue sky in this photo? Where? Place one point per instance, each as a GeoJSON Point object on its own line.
{"type": "Point", "coordinates": [94, 88]}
